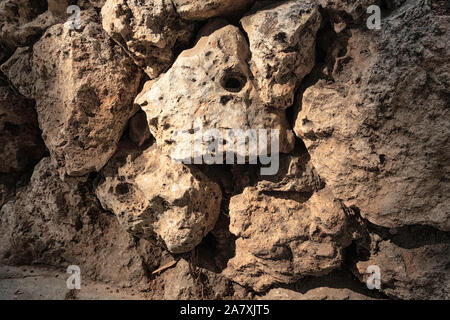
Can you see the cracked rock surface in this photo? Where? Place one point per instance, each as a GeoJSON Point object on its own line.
{"type": "Point", "coordinates": [135, 147]}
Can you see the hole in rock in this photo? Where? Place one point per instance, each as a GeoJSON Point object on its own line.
{"type": "Point", "coordinates": [233, 82]}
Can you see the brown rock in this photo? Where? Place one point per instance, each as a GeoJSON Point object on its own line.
{"type": "Point", "coordinates": [18, 69]}
{"type": "Point", "coordinates": [58, 223]}
{"type": "Point", "coordinates": [155, 197]}
{"type": "Point", "coordinates": [378, 135]}
{"type": "Point", "coordinates": [281, 240]}
{"type": "Point", "coordinates": [84, 96]}
{"type": "Point", "coordinates": [413, 263]}
{"type": "Point", "coordinates": [282, 42]}
{"type": "Point", "coordinates": [215, 91]}
{"type": "Point", "coordinates": [147, 31]}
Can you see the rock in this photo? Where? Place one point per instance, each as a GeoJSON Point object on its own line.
{"type": "Point", "coordinates": [149, 31]}
{"type": "Point", "coordinates": [23, 22]}
{"type": "Point", "coordinates": [282, 42]}
{"type": "Point", "coordinates": [84, 98]}
{"type": "Point", "coordinates": [58, 223]}
{"type": "Point", "coordinates": [378, 134]}
{"type": "Point", "coordinates": [18, 69]}
{"type": "Point", "coordinates": [321, 293]}
{"type": "Point", "coordinates": [205, 9]}
{"type": "Point", "coordinates": [154, 197]}
{"type": "Point", "coordinates": [187, 282]}
{"type": "Point", "coordinates": [413, 263]}
{"type": "Point", "coordinates": [215, 91]}
{"type": "Point", "coordinates": [21, 146]}
{"type": "Point", "coordinates": [307, 240]}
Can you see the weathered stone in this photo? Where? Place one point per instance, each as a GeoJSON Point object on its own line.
{"type": "Point", "coordinates": [413, 261]}
{"type": "Point", "coordinates": [22, 22]}
{"type": "Point", "coordinates": [18, 69]}
{"type": "Point", "coordinates": [378, 134]}
{"type": "Point", "coordinates": [148, 31]}
{"type": "Point", "coordinates": [215, 90]}
{"type": "Point", "coordinates": [205, 9]}
{"type": "Point", "coordinates": [154, 197]}
{"type": "Point", "coordinates": [84, 97]}
{"type": "Point", "coordinates": [281, 239]}
{"type": "Point", "coordinates": [282, 42]}
{"type": "Point", "coordinates": [58, 223]}
{"type": "Point", "coordinates": [21, 146]}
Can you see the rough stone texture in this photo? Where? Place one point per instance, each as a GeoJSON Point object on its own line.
{"type": "Point", "coordinates": [282, 43]}
{"type": "Point", "coordinates": [22, 22]}
{"type": "Point", "coordinates": [148, 31]}
{"type": "Point", "coordinates": [214, 91]}
{"type": "Point", "coordinates": [18, 69]}
{"type": "Point", "coordinates": [84, 98]}
{"type": "Point", "coordinates": [205, 9]}
{"type": "Point", "coordinates": [322, 293]}
{"type": "Point", "coordinates": [21, 146]}
{"type": "Point", "coordinates": [413, 261]}
{"type": "Point", "coordinates": [307, 240]}
{"type": "Point", "coordinates": [154, 197]}
{"type": "Point", "coordinates": [58, 223]}
{"type": "Point", "coordinates": [378, 135]}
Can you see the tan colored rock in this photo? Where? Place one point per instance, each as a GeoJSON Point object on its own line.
{"type": "Point", "coordinates": [214, 90]}
{"type": "Point", "coordinates": [21, 146]}
{"type": "Point", "coordinates": [155, 197]}
{"type": "Point", "coordinates": [18, 69]}
{"type": "Point", "coordinates": [413, 263]}
{"type": "Point", "coordinates": [205, 9]}
{"type": "Point", "coordinates": [84, 98]}
{"type": "Point", "coordinates": [280, 239]}
{"type": "Point", "coordinates": [321, 293]}
{"type": "Point", "coordinates": [147, 31]}
{"type": "Point", "coordinates": [58, 223]}
{"type": "Point", "coordinates": [378, 135]}
{"type": "Point", "coordinates": [282, 42]}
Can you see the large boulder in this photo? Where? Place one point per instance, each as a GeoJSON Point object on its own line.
{"type": "Point", "coordinates": [158, 199]}
{"type": "Point", "coordinates": [378, 134]}
{"type": "Point", "coordinates": [282, 42]}
{"type": "Point", "coordinates": [149, 32]}
{"type": "Point", "coordinates": [60, 223]}
{"type": "Point", "coordinates": [84, 98]}
{"type": "Point", "coordinates": [214, 91]}
{"type": "Point", "coordinates": [283, 237]}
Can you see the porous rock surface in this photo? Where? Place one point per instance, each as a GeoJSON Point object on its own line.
{"type": "Point", "coordinates": [92, 121]}
{"type": "Point", "coordinates": [149, 31]}
{"type": "Point", "coordinates": [216, 92]}
{"type": "Point", "coordinates": [155, 197]}
{"type": "Point", "coordinates": [378, 135]}
{"type": "Point", "coordinates": [84, 99]}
